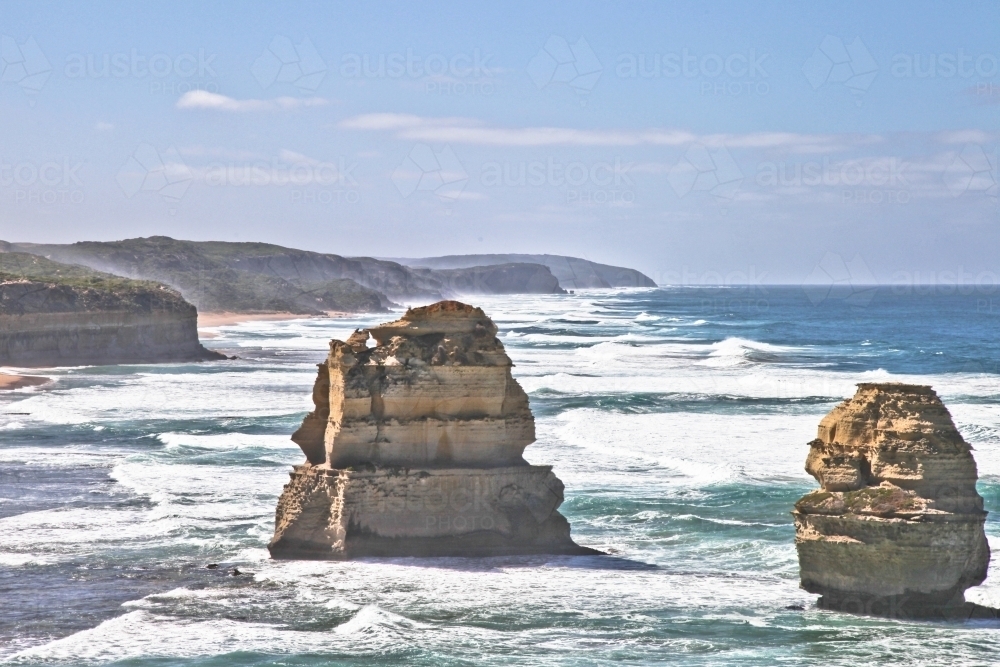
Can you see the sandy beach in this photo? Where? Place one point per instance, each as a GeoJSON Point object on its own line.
{"type": "Point", "coordinates": [209, 320]}
{"type": "Point", "coordinates": [8, 381]}
{"type": "Point", "coordinates": [224, 319]}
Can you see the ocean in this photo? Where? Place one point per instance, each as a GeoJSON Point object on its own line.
{"type": "Point", "coordinates": [678, 419]}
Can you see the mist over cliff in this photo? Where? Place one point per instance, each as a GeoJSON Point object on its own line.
{"type": "Point", "coordinates": [54, 314]}
{"type": "Point", "coordinates": [259, 277]}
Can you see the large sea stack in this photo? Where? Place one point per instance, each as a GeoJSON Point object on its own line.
{"type": "Point", "coordinates": [897, 528]}
{"type": "Point", "coordinates": [415, 449]}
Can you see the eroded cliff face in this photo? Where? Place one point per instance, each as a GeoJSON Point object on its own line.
{"type": "Point", "coordinates": [898, 523]}
{"type": "Point", "coordinates": [415, 448]}
{"type": "Point", "coordinates": [50, 324]}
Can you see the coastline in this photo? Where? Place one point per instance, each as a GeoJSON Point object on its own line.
{"type": "Point", "coordinates": [221, 319]}
{"type": "Point", "coordinates": [9, 381]}
{"type": "Point", "coordinates": [210, 320]}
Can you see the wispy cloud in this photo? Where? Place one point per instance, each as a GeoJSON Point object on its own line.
{"type": "Point", "coordinates": [965, 137]}
{"type": "Point", "coordinates": [202, 99]}
{"type": "Point", "coordinates": [197, 151]}
{"type": "Point", "coordinates": [474, 131]}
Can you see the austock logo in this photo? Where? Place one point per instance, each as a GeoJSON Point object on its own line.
{"type": "Point", "coordinates": [558, 62]}
{"type": "Point", "coordinates": [705, 169]}
{"type": "Point", "coordinates": [424, 170]}
{"type": "Point", "coordinates": [973, 170]}
{"type": "Point", "coordinates": [733, 74]}
{"type": "Point", "coordinates": [285, 62]}
{"type": "Point", "coordinates": [149, 170]}
{"type": "Point", "coordinates": [833, 278]}
{"type": "Point", "coordinates": [24, 64]}
{"type": "Point", "coordinates": [600, 182]}
{"type": "Point", "coordinates": [834, 62]}
{"type": "Point", "coordinates": [457, 74]}
{"type": "Point", "coordinates": [50, 182]}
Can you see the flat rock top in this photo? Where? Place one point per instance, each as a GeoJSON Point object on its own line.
{"type": "Point", "coordinates": [891, 411]}
{"type": "Point", "coordinates": [443, 317]}
{"type": "Point", "coordinates": [443, 309]}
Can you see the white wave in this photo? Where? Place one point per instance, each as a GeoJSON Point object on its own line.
{"type": "Point", "coordinates": [373, 620]}
{"type": "Point", "coordinates": [173, 396]}
{"type": "Point", "coordinates": [204, 492]}
{"type": "Point", "coordinates": [726, 522]}
{"type": "Point", "coordinates": [674, 450]}
{"type": "Point", "coordinates": [740, 351]}
{"type": "Point", "coordinates": [141, 634]}
{"type": "Point", "coordinates": [10, 559]}
{"type": "Point", "coordinates": [176, 594]}
{"type": "Point", "coordinates": [64, 533]}
{"type": "Point", "coordinates": [227, 441]}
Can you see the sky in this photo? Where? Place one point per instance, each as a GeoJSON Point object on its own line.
{"type": "Point", "coordinates": [700, 142]}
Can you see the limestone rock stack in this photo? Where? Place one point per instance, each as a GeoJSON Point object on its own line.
{"type": "Point", "coordinates": [415, 448]}
{"type": "Point", "coordinates": [897, 527]}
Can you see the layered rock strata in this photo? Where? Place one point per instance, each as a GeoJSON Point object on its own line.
{"type": "Point", "coordinates": [415, 449]}
{"type": "Point", "coordinates": [897, 527]}
{"type": "Point", "coordinates": [54, 314]}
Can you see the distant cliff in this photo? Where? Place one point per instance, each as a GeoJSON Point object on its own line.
{"type": "Point", "coordinates": [248, 277]}
{"type": "Point", "coordinates": [571, 272]}
{"type": "Point", "coordinates": [54, 314]}
{"type": "Point", "coordinates": [514, 278]}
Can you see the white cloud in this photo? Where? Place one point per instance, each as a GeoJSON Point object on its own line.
{"type": "Point", "coordinates": [202, 99]}
{"type": "Point", "coordinates": [965, 137]}
{"type": "Point", "coordinates": [399, 121]}
{"type": "Point", "coordinates": [474, 131]}
{"type": "Point", "coordinates": [215, 152]}
{"type": "Point", "coordinates": [104, 127]}
{"type": "Point", "coordinates": [470, 196]}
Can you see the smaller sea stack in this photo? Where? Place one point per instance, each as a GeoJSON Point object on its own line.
{"type": "Point", "coordinates": [414, 449]}
{"type": "Point", "coordinates": [897, 527]}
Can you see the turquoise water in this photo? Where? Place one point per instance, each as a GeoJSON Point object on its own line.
{"type": "Point", "coordinates": [677, 419]}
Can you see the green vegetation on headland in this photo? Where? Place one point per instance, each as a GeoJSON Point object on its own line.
{"type": "Point", "coordinates": [572, 272]}
{"type": "Point", "coordinates": [261, 277]}
{"type": "Point", "coordinates": [211, 275]}
{"type": "Point", "coordinates": [25, 266]}
{"type": "Point", "coordinates": [33, 284]}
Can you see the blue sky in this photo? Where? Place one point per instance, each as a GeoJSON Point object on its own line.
{"type": "Point", "coordinates": [699, 142]}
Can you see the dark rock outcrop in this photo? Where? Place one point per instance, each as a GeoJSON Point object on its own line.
{"type": "Point", "coordinates": [897, 527]}
{"type": "Point", "coordinates": [415, 449]}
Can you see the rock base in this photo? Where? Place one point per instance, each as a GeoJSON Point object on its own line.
{"type": "Point", "coordinates": [929, 558]}
{"type": "Point", "coordinates": [329, 513]}
{"type": "Point", "coordinates": [897, 527]}
{"type": "Point", "coordinates": [909, 606]}
{"type": "Point", "coordinates": [40, 340]}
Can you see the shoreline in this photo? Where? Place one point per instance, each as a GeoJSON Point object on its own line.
{"type": "Point", "coordinates": [210, 320]}
{"type": "Point", "coordinates": [221, 319]}
{"type": "Point", "coordinates": [9, 381]}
